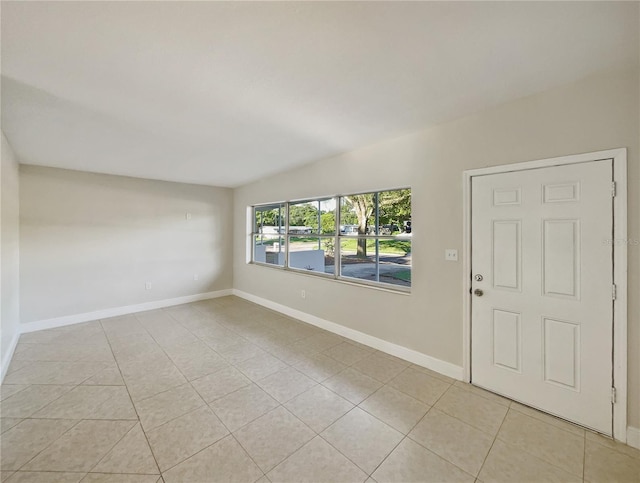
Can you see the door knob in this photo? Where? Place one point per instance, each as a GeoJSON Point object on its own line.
{"type": "Point", "coordinates": [478, 292]}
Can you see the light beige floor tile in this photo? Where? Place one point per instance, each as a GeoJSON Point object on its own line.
{"type": "Point", "coordinates": [91, 402]}
{"type": "Point", "coordinates": [221, 383]}
{"type": "Point", "coordinates": [81, 447]}
{"type": "Point", "coordinates": [8, 423]}
{"type": "Point", "coordinates": [419, 385]}
{"type": "Point", "coordinates": [506, 464]}
{"type": "Point", "coordinates": [547, 418]}
{"type": "Point", "coordinates": [410, 462]}
{"type": "Point", "coordinates": [362, 438]}
{"type": "Point", "coordinates": [25, 440]}
{"type": "Point", "coordinates": [219, 342]}
{"type": "Point", "coordinates": [273, 437]}
{"type": "Point", "coordinates": [319, 367]}
{"type": "Point", "coordinates": [5, 475]}
{"type": "Point", "coordinates": [290, 355]}
{"type": "Point", "coordinates": [224, 461]}
{"type": "Point", "coordinates": [286, 384]}
{"type": "Point", "coordinates": [605, 464]}
{"type": "Point", "coordinates": [158, 369]}
{"type": "Point", "coordinates": [242, 406]}
{"type": "Point", "coordinates": [240, 352]}
{"type": "Point", "coordinates": [122, 324]}
{"type": "Point", "coordinates": [395, 408]}
{"type": "Point", "coordinates": [352, 385]}
{"type": "Point", "coordinates": [173, 335]}
{"type": "Point", "coordinates": [131, 455]}
{"type": "Point", "coordinates": [431, 373]}
{"type": "Point", "coordinates": [110, 376]}
{"type": "Point", "coordinates": [167, 405]}
{"type": "Point", "coordinates": [319, 407]}
{"type": "Point", "coordinates": [260, 366]}
{"type": "Point", "coordinates": [64, 352]}
{"type": "Point", "coordinates": [8, 390]}
{"type": "Point", "coordinates": [478, 391]}
{"type": "Point", "coordinates": [119, 478]}
{"type": "Point", "coordinates": [177, 440]}
{"type": "Point", "coordinates": [346, 353]}
{"type": "Point", "coordinates": [380, 367]}
{"type": "Point", "coordinates": [30, 400]}
{"type": "Point", "coordinates": [319, 342]}
{"type": "Point", "coordinates": [556, 446]}
{"type": "Point", "coordinates": [196, 359]}
{"type": "Point", "coordinates": [457, 442]}
{"type": "Point", "coordinates": [316, 461]}
{"type": "Point", "coordinates": [45, 477]}
{"type": "Point", "coordinates": [153, 318]}
{"type": "Point", "coordinates": [15, 366]}
{"type": "Point", "coordinates": [185, 312]}
{"type": "Point", "coordinates": [477, 411]}
{"type": "Point", "coordinates": [55, 373]}
{"type": "Point", "coordinates": [614, 445]}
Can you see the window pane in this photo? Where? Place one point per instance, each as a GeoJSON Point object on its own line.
{"type": "Point", "coordinates": [357, 214]}
{"type": "Point", "coordinates": [394, 212]}
{"type": "Point", "coordinates": [395, 261]}
{"type": "Point", "coordinates": [377, 260]}
{"type": "Point", "coordinates": [268, 249]}
{"type": "Point", "coordinates": [313, 217]}
{"type": "Point", "coordinates": [311, 253]}
{"type": "Point", "coordinates": [269, 219]}
{"type": "Point", "coordinates": [358, 258]}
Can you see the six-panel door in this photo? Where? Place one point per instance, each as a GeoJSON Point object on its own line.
{"type": "Point", "coordinates": [542, 328]}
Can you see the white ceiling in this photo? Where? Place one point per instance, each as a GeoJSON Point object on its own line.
{"type": "Point", "coordinates": [224, 93]}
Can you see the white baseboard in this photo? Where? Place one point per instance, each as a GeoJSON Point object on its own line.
{"type": "Point", "coordinates": [633, 437]}
{"type": "Point", "coordinates": [6, 358]}
{"type": "Point", "coordinates": [117, 311]}
{"type": "Point", "coordinates": [418, 358]}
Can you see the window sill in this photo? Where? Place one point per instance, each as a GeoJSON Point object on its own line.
{"type": "Point", "coordinates": [398, 290]}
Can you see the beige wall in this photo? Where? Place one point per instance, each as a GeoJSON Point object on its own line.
{"type": "Point", "coordinates": [90, 241]}
{"type": "Point", "coordinates": [595, 114]}
{"type": "Point", "coordinates": [9, 251]}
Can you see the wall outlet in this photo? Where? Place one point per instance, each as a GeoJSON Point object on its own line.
{"type": "Point", "coordinates": [303, 294]}
{"type": "Point", "coordinates": [147, 286]}
{"type": "Point", "coordinates": [451, 255]}
{"type": "Point", "coordinates": [195, 276]}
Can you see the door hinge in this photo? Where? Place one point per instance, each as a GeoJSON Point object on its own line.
{"type": "Point", "coordinates": [613, 189]}
{"type": "Point", "coordinates": [613, 395]}
{"type": "Point", "coordinates": [614, 292]}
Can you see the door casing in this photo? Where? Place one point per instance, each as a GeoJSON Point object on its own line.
{"type": "Point", "coordinates": [619, 157]}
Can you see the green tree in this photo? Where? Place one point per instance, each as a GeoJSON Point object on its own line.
{"type": "Point", "coordinates": [394, 207]}
{"type": "Point", "coordinates": [328, 221]}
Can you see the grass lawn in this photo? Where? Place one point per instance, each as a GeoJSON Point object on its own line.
{"type": "Point", "coordinates": [403, 275]}
{"type": "Point", "coordinates": [386, 246]}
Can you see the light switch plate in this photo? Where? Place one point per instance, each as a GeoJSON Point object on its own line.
{"type": "Point", "coordinates": [451, 255]}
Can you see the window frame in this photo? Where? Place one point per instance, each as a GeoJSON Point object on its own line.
{"type": "Point", "coordinates": [337, 239]}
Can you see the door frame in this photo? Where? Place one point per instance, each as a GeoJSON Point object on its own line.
{"type": "Point", "coordinates": [620, 267]}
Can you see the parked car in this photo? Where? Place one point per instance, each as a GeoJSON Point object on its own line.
{"type": "Point", "coordinates": [348, 229]}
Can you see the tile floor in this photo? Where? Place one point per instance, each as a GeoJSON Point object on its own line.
{"type": "Point", "coordinates": [224, 390]}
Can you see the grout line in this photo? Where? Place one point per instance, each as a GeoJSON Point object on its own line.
{"type": "Point", "coordinates": [584, 455]}
{"type": "Point", "coordinates": [115, 444]}
{"type": "Point", "coordinates": [50, 444]}
{"type": "Point", "coordinates": [131, 400]}
{"type": "Point", "coordinates": [205, 404]}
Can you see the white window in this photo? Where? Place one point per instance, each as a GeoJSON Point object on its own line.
{"type": "Point", "coordinates": [363, 238]}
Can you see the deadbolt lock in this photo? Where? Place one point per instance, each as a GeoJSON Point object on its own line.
{"type": "Point", "coordinates": [478, 278]}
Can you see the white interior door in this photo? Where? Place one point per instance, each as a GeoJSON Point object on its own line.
{"type": "Point", "coordinates": [542, 313]}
